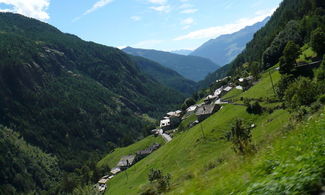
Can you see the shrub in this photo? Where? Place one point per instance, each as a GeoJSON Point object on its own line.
{"type": "Point", "coordinates": [283, 84]}
{"type": "Point", "coordinates": [321, 99]}
{"type": "Point", "coordinates": [301, 92]}
{"type": "Point", "coordinates": [254, 108]}
{"type": "Point", "coordinates": [159, 183]}
{"type": "Point", "coordinates": [320, 72]}
{"type": "Point", "coordinates": [241, 137]}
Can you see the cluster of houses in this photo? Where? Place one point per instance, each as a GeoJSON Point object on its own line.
{"type": "Point", "coordinates": [125, 163]}
{"type": "Point", "coordinates": [129, 160]}
{"type": "Point", "coordinates": [212, 103]}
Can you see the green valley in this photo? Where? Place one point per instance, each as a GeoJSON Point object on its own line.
{"type": "Point", "coordinates": [79, 117]}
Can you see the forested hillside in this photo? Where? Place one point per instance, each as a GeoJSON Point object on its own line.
{"type": "Point", "coordinates": [72, 99]}
{"type": "Point", "coordinates": [293, 20]}
{"type": "Point", "coordinates": [191, 67]}
{"type": "Point", "coordinates": [165, 75]}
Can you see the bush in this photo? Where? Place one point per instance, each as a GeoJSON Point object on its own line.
{"type": "Point", "coordinates": [320, 72]}
{"type": "Point", "coordinates": [254, 108]}
{"type": "Point", "coordinates": [158, 182]}
{"type": "Point", "coordinates": [321, 99]}
{"type": "Point", "coordinates": [301, 92]}
{"type": "Point", "coordinates": [241, 137]}
{"type": "Point", "coordinates": [283, 84]}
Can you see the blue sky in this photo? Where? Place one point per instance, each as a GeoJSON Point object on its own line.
{"type": "Point", "coordinates": [157, 24]}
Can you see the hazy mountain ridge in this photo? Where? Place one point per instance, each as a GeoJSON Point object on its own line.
{"type": "Point", "coordinates": [182, 52]}
{"type": "Point", "coordinates": [191, 67]}
{"type": "Point", "coordinates": [223, 49]}
{"type": "Point", "coordinates": [165, 76]}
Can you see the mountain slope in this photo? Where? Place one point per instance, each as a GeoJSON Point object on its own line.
{"type": "Point", "coordinates": [268, 43]}
{"type": "Point", "coordinates": [182, 52]}
{"type": "Point", "coordinates": [165, 75]}
{"type": "Point", "coordinates": [225, 48]}
{"type": "Point", "coordinates": [71, 98]}
{"type": "Point", "coordinates": [190, 67]}
{"type": "Point", "coordinates": [207, 164]}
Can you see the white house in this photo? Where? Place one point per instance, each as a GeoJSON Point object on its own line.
{"type": "Point", "coordinates": [165, 122]}
{"type": "Point", "coordinates": [227, 88]}
{"type": "Point", "coordinates": [191, 108]}
{"type": "Point", "coordinates": [115, 170]}
{"type": "Point", "coordinates": [239, 87]}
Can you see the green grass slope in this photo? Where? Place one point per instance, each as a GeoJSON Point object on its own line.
{"type": "Point", "coordinates": [112, 159]}
{"type": "Point", "coordinates": [205, 163]}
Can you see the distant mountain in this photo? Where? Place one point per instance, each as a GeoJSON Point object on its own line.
{"type": "Point", "coordinates": [72, 99]}
{"type": "Point", "coordinates": [225, 48]}
{"type": "Point", "coordinates": [166, 76]}
{"type": "Point", "coordinates": [182, 52]}
{"type": "Point", "coordinates": [191, 67]}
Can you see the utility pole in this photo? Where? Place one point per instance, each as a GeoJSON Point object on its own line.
{"type": "Point", "coordinates": [128, 165]}
{"type": "Point", "coordinates": [202, 130]}
{"type": "Point", "coordinates": [272, 83]}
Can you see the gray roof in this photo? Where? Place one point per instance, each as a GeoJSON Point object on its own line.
{"type": "Point", "coordinates": [126, 161]}
{"type": "Point", "coordinates": [148, 150]}
{"type": "Point", "coordinates": [205, 109]}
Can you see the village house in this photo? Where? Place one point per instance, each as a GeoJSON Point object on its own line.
{"type": "Point", "coordinates": [170, 122]}
{"type": "Point", "coordinates": [143, 153]}
{"type": "Point", "coordinates": [227, 89]}
{"type": "Point", "coordinates": [239, 87]}
{"type": "Point", "coordinates": [157, 132]}
{"type": "Point", "coordinates": [115, 170]}
{"type": "Point", "coordinates": [165, 124]}
{"type": "Point", "coordinates": [205, 111]}
{"type": "Point", "coordinates": [191, 109]}
{"type": "Point", "coordinates": [176, 113]}
{"type": "Point", "coordinates": [101, 184]}
{"type": "Point", "coordinates": [218, 91]}
{"type": "Point", "coordinates": [126, 162]}
{"type": "Point", "coordinates": [220, 102]}
{"type": "Point", "coordinates": [210, 98]}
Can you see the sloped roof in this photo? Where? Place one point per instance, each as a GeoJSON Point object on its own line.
{"type": "Point", "coordinates": [126, 161]}
{"type": "Point", "coordinates": [205, 109]}
{"type": "Point", "coordinates": [149, 150]}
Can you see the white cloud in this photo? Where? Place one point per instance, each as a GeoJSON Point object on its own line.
{"type": "Point", "coordinates": [161, 8]}
{"type": "Point", "coordinates": [189, 11]}
{"type": "Point", "coordinates": [160, 2]}
{"type": "Point", "coordinates": [135, 18]}
{"type": "Point", "coordinates": [187, 21]}
{"type": "Point", "coordinates": [186, 6]}
{"type": "Point", "coordinates": [31, 8]}
{"type": "Point", "coordinates": [147, 43]}
{"type": "Point", "coordinates": [97, 5]}
{"type": "Point", "coordinates": [216, 31]}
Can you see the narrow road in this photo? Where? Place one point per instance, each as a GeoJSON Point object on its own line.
{"type": "Point", "coordinates": [165, 136]}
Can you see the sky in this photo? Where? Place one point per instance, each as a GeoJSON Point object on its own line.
{"type": "Point", "coordinates": [151, 24]}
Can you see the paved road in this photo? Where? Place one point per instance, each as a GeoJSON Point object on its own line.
{"type": "Point", "coordinates": [166, 137]}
